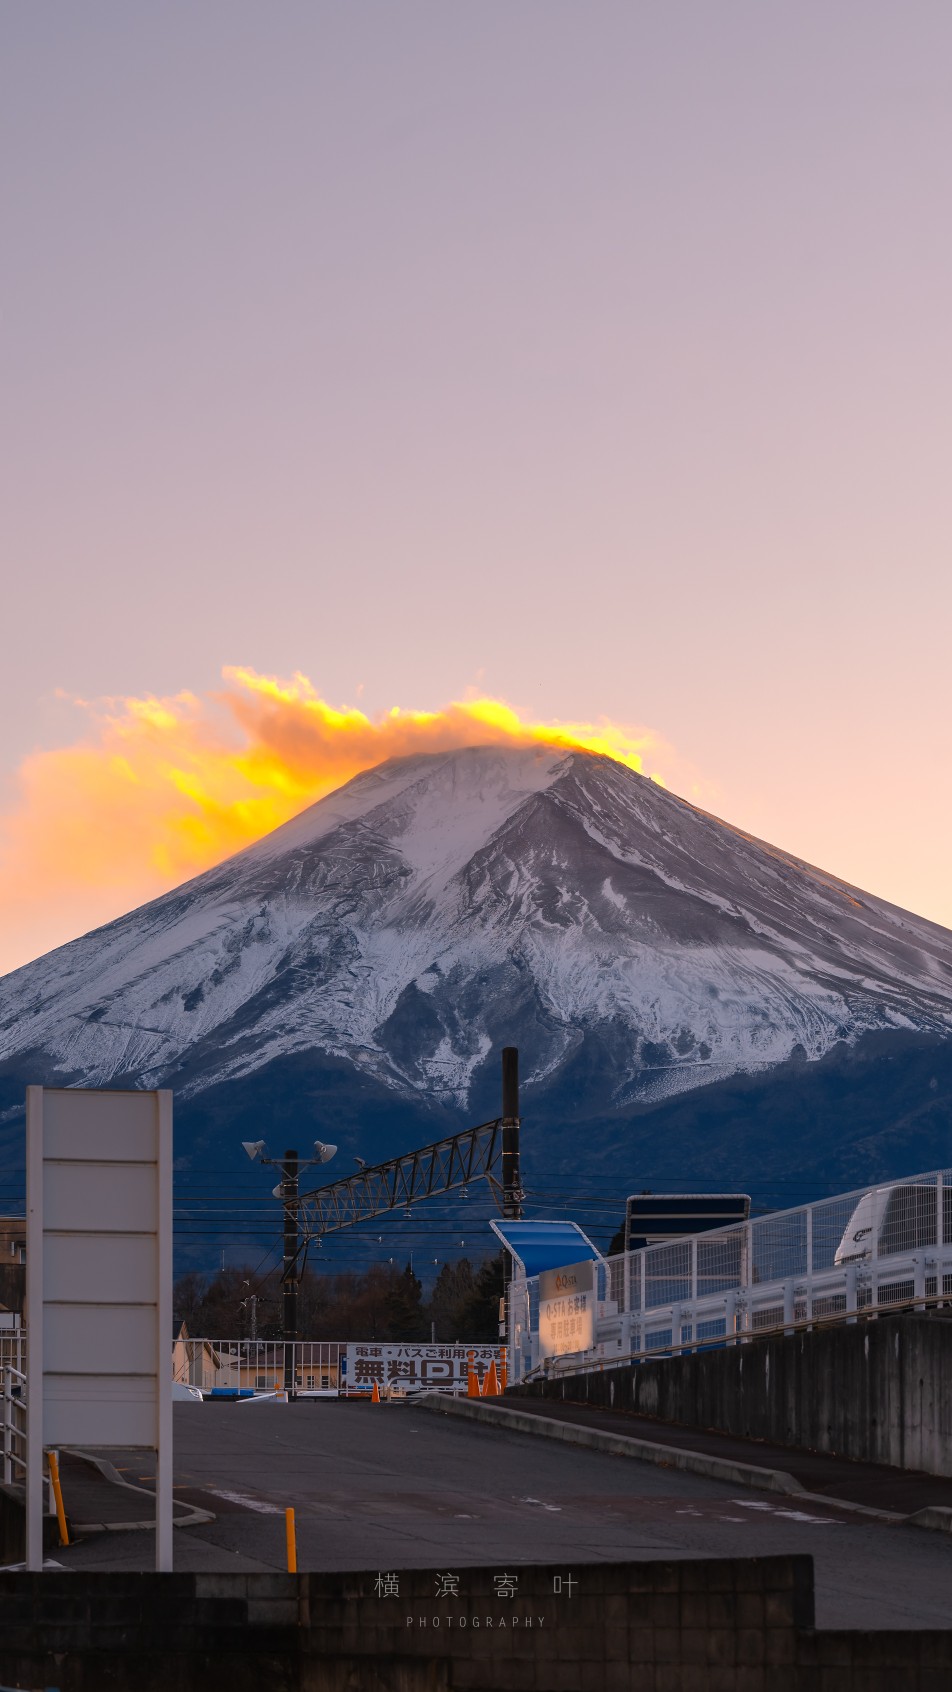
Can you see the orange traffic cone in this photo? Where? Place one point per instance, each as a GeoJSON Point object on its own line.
{"type": "Point", "coordinates": [375, 1394]}
{"type": "Point", "coordinates": [472, 1384]}
{"type": "Point", "coordinates": [490, 1383]}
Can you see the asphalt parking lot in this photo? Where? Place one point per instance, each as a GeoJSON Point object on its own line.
{"type": "Point", "coordinates": [393, 1486]}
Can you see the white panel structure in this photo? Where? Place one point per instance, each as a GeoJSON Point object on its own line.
{"type": "Point", "coordinates": [566, 1309]}
{"type": "Point", "coordinates": [99, 1284]}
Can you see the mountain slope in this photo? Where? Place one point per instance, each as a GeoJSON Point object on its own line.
{"type": "Point", "coordinates": [435, 908]}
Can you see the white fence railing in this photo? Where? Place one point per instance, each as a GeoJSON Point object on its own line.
{"type": "Point", "coordinates": [246, 1366]}
{"type": "Point", "coordinates": [13, 1348]}
{"type": "Point", "coordinates": [329, 1366]}
{"type": "Point", "coordinates": [13, 1423]}
{"type": "Point", "coordinates": [257, 1365]}
{"type": "Point", "coordinates": [871, 1250]}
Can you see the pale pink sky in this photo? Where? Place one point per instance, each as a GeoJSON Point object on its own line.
{"type": "Point", "coordinates": [595, 356]}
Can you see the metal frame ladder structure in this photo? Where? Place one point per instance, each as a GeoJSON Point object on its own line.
{"type": "Point", "coordinates": [453, 1162]}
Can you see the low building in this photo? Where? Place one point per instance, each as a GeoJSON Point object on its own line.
{"type": "Point", "coordinates": [12, 1264]}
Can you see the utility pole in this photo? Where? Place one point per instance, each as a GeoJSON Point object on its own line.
{"type": "Point", "coordinates": [288, 1192]}
{"type": "Point", "coordinates": [289, 1195]}
{"type": "Point", "coordinates": [251, 1303]}
{"type": "Point", "coordinates": [511, 1180]}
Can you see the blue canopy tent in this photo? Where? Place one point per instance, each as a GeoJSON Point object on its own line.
{"type": "Point", "coordinates": [536, 1246]}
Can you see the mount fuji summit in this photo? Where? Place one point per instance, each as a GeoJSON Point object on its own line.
{"type": "Point", "coordinates": [689, 1002]}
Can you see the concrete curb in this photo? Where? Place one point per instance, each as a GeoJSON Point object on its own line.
{"type": "Point", "coordinates": [110, 1473]}
{"type": "Point", "coordinates": [617, 1445]}
{"type": "Point", "coordinates": [664, 1456]}
{"type": "Point", "coordinates": [938, 1517]}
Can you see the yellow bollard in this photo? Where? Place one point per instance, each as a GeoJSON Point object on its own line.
{"type": "Point", "coordinates": [58, 1496]}
{"type": "Point", "coordinates": [291, 1537]}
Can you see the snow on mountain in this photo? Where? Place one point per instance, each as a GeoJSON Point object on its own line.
{"type": "Point", "coordinates": [440, 905]}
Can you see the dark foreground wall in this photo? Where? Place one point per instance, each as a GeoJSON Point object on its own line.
{"type": "Point", "coordinates": [879, 1392]}
{"type": "Point", "coordinates": [691, 1626]}
{"type": "Point", "coordinates": [13, 1526]}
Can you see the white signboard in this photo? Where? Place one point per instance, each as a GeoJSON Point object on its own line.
{"type": "Point", "coordinates": [414, 1365]}
{"type": "Point", "coordinates": [567, 1309]}
{"type": "Point", "coordinates": [99, 1284]}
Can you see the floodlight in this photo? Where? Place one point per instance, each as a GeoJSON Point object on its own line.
{"type": "Point", "coordinates": [322, 1153]}
{"type": "Point", "coordinates": [254, 1148]}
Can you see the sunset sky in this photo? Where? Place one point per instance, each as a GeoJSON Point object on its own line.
{"type": "Point", "coordinates": [520, 368]}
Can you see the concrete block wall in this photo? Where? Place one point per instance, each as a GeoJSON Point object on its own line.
{"type": "Point", "coordinates": [698, 1625]}
{"type": "Point", "coordinates": [13, 1525]}
{"type": "Point", "coordinates": [880, 1391]}
{"type": "Point", "coordinates": [621, 1626]}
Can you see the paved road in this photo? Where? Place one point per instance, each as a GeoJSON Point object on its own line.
{"type": "Point", "coordinates": [901, 1491]}
{"type": "Point", "coordinates": [390, 1487]}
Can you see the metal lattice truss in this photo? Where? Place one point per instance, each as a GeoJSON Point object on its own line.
{"type": "Point", "coordinates": [438, 1168]}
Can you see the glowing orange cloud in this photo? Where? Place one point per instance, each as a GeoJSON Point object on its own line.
{"type": "Point", "coordinates": [164, 788]}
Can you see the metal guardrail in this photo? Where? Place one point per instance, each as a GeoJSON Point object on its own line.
{"type": "Point", "coordinates": [577, 1364]}
{"type": "Point", "coordinates": [13, 1451]}
{"type": "Point", "coordinates": [258, 1365]}
{"type": "Point", "coordinates": [13, 1348]}
{"type": "Point", "coordinates": [858, 1254]}
{"type": "Point", "coordinates": [13, 1423]}
{"type": "Point", "coordinates": [319, 1366]}
{"type": "Point", "coordinates": [250, 1366]}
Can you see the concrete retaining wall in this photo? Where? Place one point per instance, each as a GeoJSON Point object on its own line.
{"type": "Point", "coordinates": [691, 1626]}
{"type": "Point", "coordinates": [879, 1392]}
{"type": "Point", "coordinates": [13, 1526]}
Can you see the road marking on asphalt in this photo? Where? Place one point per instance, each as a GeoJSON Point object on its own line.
{"type": "Point", "coordinates": [540, 1503]}
{"type": "Point", "coordinates": [777, 1510]}
{"type": "Point", "coordinates": [246, 1502]}
{"type": "Point", "coordinates": [801, 1516]}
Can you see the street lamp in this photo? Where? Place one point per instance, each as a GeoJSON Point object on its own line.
{"type": "Point", "coordinates": [288, 1192]}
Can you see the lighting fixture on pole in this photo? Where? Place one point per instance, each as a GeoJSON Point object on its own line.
{"type": "Point", "coordinates": [288, 1191]}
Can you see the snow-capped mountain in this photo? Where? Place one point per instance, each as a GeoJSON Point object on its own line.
{"type": "Point", "coordinates": [435, 908]}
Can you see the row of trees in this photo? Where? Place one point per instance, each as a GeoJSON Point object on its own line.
{"type": "Point", "coordinates": [383, 1303]}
